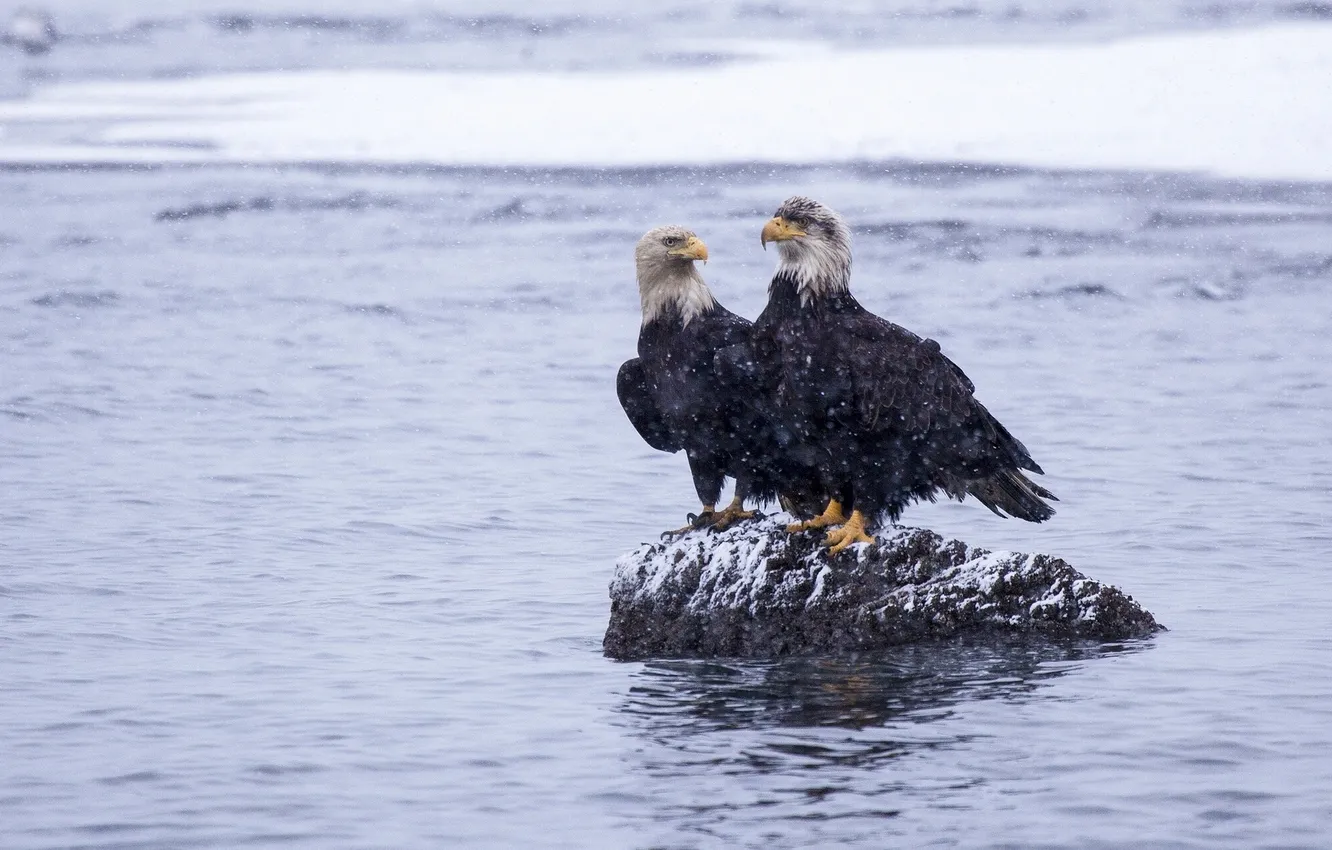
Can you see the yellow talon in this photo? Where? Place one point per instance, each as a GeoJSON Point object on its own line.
{"type": "Point", "coordinates": [832, 515]}
{"type": "Point", "coordinates": [851, 533]}
{"type": "Point", "coordinates": [731, 514]}
{"type": "Point", "coordinates": [703, 520]}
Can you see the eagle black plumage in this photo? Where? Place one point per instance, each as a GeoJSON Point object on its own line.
{"type": "Point", "coordinates": [676, 397]}
{"type": "Point", "coordinates": [893, 420]}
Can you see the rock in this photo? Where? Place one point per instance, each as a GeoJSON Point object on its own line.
{"type": "Point", "coordinates": [756, 591]}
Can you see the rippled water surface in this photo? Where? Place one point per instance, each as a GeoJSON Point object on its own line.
{"type": "Point", "coordinates": [312, 481]}
{"type": "Point", "coordinates": [137, 38]}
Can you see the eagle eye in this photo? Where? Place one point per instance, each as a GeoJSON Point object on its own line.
{"type": "Point", "coordinates": [671, 241]}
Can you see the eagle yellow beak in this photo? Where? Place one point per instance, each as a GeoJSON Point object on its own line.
{"type": "Point", "coordinates": [694, 249]}
{"type": "Point", "coordinates": [779, 229]}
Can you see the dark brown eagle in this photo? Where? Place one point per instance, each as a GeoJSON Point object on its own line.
{"type": "Point", "coordinates": [678, 398]}
{"type": "Point", "coordinates": [893, 420]}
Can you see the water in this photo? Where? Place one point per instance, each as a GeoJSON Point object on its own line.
{"type": "Point", "coordinates": [131, 39]}
{"type": "Point", "coordinates": [311, 481]}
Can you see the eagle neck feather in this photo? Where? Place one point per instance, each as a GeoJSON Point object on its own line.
{"type": "Point", "coordinates": [816, 267]}
{"type": "Point", "coordinates": [787, 303]}
{"type": "Point", "coordinates": [674, 292]}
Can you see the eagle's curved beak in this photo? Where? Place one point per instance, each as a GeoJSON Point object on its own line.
{"type": "Point", "coordinates": [694, 249]}
{"type": "Point", "coordinates": [779, 229]}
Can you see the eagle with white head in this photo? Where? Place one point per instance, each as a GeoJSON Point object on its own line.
{"type": "Point", "coordinates": [893, 420]}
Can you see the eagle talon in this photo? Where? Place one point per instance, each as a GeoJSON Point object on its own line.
{"type": "Point", "coordinates": [832, 515]}
{"type": "Point", "coordinates": [706, 519]}
{"type": "Point", "coordinates": [732, 514]}
{"type": "Point", "coordinates": [848, 535]}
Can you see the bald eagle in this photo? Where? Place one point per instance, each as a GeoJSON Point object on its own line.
{"type": "Point", "coordinates": [682, 392]}
{"type": "Point", "coordinates": [894, 419]}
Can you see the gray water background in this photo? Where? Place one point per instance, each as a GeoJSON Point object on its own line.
{"type": "Point", "coordinates": [134, 39]}
{"type": "Point", "coordinates": [312, 480]}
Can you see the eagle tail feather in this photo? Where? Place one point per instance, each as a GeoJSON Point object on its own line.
{"type": "Point", "coordinates": [1012, 446]}
{"type": "Point", "coordinates": [1012, 494]}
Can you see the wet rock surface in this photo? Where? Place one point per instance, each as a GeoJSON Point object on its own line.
{"type": "Point", "coordinates": [756, 591]}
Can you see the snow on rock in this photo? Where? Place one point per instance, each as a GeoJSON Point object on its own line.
{"type": "Point", "coordinates": [756, 591]}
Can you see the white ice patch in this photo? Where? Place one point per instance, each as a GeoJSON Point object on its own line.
{"type": "Point", "coordinates": [1246, 103]}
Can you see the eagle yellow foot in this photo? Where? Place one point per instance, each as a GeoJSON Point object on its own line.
{"type": "Point", "coordinates": [705, 518]}
{"type": "Point", "coordinates": [851, 533]}
{"type": "Point", "coordinates": [730, 515]}
{"type": "Point", "coordinates": [832, 515]}
{"type": "Point", "coordinates": [712, 518]}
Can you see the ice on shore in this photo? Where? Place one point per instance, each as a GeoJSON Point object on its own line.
{"type": "Point", "coordinates": [1249, 103]}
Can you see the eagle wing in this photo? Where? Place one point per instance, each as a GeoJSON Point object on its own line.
{"type": "Point", "coordinates": [905, 383]}
{"type": "Point", "coordinates": [726, 329]}
{"type": "Point", "coordinates": [902, 382]}
{"type": "Point", "coordinates": [631, 385]}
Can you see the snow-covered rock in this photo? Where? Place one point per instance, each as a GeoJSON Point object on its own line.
{"type": "Point", "coordinates": [755, 590]}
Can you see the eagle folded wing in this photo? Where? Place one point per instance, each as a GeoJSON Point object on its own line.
{"type": "Point", "coordinates": [904, 383]}
{"type": "Point", "coordinates": [631, 385]}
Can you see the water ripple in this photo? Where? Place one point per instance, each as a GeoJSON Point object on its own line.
{"type": "Point", "coordinates": [307, 529]}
